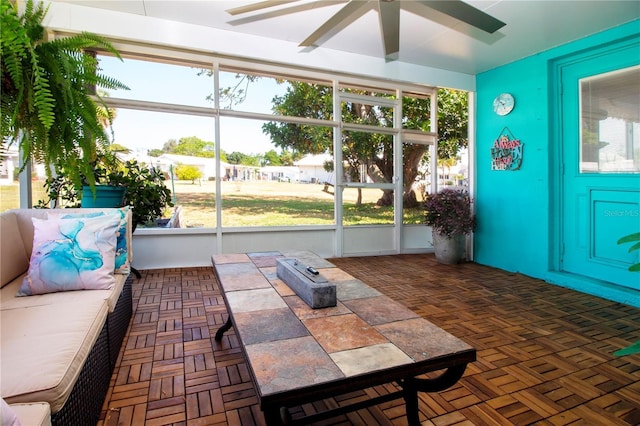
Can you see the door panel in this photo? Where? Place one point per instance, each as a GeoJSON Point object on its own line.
{"type": "Point", "coordinates": [601, 173]}
{"type": "Point", "coordinates": [613, 213]}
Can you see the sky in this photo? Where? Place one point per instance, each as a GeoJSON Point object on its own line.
{"type": "Point", "coordinates": [157, 82]}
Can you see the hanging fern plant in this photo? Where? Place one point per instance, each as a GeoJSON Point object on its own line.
{"type": "Point", "coordinates": [47, 104]}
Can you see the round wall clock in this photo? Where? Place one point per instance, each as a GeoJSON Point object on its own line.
{"type": "Point", "coordinates": [503, 103]}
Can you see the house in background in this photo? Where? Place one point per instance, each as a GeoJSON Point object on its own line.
{"type": "Point", "coordinates": [206, 165]}
{"type": "Point", "coordinates": [570, 67]}
{"type": "Point", "coordinates": [312, 169]}
{"type": "Point", "coordinates": [280, 173]}
{"type": "Point", "coordinates": [8, 164]}
{"type": "Point", "coordinates": [143, 158]}
{"type": "Point", "coordinates": [239, 172]}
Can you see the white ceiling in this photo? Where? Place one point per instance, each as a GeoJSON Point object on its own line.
{"type": "Point", "coordinates": [532, 26]}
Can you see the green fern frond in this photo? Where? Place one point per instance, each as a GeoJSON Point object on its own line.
{"type": "Point", "coordinates": [43, 98]}
{"type": "Point", "coordinates": [85, 41]}
{"type": "Point", "coordinates": [110, 83]}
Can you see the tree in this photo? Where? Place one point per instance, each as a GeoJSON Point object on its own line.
{"type": "Point", "coordinates": [194, 147]}
{"type": "Point", "coordinates": [233, 95]}
{"type": "Point", "coordinates": [362, 152]}
{"type": "Point", "coordinates": [155, 152]}
{"type": "Point", "coordinates": [169, 146]}
{"type": "Point", "coordinates": [271, 158]}
{"type": "Point", "coordinates": [453, 122]}
{"type": "Point", "coordinates": [302, 100]}
{"type": "Point", "coordinates": [288, 157]}
{"type": "Point", "coordinates": [447, 163]}
{"type": "Point", "coordinates": [236, 157]}
{"type": "Point", "coordinates": [116, 147]}
{"type": "Point", "coordinates": [188, 172]}
{"type": "Point", "coordinates": [368, 152]}
{"type": "Point", "coordinates": [244, 159]}
{"type": "Point", "coordinates": [191, 146]}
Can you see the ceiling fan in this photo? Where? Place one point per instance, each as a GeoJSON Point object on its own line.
{"type": "Point", "coordinates": [388, 12]}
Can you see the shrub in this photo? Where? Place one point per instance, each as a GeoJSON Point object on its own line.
{"type": "Point", "coordinates": [146, 191]}
{"type": "Point", "coordinates": [449, 212]}
{"type": "Point", "coordinates": [188, 172]}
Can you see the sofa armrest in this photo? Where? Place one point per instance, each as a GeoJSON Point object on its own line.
{"type": "Point", "coordinates": [13, 255]}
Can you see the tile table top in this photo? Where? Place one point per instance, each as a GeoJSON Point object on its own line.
{"type": "Point", "coordinates": [291, 347]}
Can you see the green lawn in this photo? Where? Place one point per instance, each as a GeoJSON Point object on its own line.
{"type": "Point", "coordinates": [10, 195]}
{"type": "Point", "coordinates": [280, 204]}
{"type": "Point", "coordinates": [261, 204]}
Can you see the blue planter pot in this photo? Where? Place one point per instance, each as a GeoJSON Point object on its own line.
{"type": "Point", "coordinates": [106, 196]}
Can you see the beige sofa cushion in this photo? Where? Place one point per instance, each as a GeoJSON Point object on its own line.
{"type": "Point", "coordinates": [25, 225]}
{"type": "Point", "coordinates": [33, 414]}
{"type": "Point", "coordinates": [44, 348]}
{"type": "Point", "coordinates": [12, 251]}
{"type": "Point", "coordinates": [9, 300]}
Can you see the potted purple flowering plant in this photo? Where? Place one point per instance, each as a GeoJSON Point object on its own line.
{"type": "Point", "coordinates": [449, 215]}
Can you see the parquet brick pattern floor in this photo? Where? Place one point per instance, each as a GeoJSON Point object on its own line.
{"type": "Point", "coordinates": [544, 352]}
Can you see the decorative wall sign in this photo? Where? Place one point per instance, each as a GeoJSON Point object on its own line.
{"type": "Point", "coordinates": [506, 153]}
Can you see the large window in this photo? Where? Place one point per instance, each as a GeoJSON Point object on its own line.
{"type": "Point", "coordinates": [610, 122]}
{"type": "Point", "coordinates": [263, 146]}
{"type": "Point", "coordinates": [375, 162]}
{"type": "Point", "coordinates": [266, 186]}
{"type": "Point", "coordinates": [146, 133]}
{"type": "Point", "coordinates": [153, 81]}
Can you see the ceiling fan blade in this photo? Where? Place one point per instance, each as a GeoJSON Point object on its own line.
{"type": "Point", "coordinates": [288, 10]}
{"type": "Point", "coordinates": [257, 6]}
{"type": "Point", "coordinates": [466, 13]}
{"type": "Point", "coordinates": [390, 27]}
{"type": "Point", "coordinates": [350, 12]}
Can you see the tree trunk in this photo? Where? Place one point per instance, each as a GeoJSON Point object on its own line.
{"type": "Point", "coordinates": [409, 199]}
{"type": "Point", "coordinates": [386, 199]}
{"type": "Point", "coordinates": [412, 155]}
{"type": "Point", "coordinates": [359, 199]}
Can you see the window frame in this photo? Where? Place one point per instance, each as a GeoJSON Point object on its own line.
{"type": "Point", "coordinates": [336, 80]}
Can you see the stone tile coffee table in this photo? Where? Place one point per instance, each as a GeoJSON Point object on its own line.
{"type": "Point", "coordinates": [299, 355]}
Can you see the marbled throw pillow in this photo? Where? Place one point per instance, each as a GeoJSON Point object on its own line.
{"type": "Point", "coordinates": [71, 254]}
{"type": "Point", "coordinates": [122, 244]}
{"type": "Point", "coordinates": [122, 265]}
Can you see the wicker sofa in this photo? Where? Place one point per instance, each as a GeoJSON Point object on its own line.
{"type": "Point", "coordinates": [57, 349]}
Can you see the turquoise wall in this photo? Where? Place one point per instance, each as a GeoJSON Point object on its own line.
{"type": "Point", "coordinates": [515, 208]}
